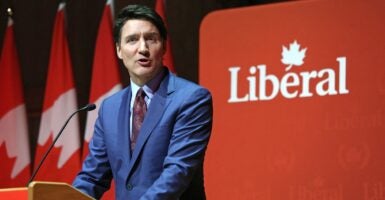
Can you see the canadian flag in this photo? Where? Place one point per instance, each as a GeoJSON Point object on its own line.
{"type": "Point", "coordinates": [105, 77]}
{"type": "Point", "coordinates": [14, 144]}
{"type": "Point", "coordinates": [63, 162]}
{"type": "Point", "coordinates": [167, 59]}
{"type": "Point", "coordinates": [105, 72]}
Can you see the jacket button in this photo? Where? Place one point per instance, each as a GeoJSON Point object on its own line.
{"type": "Point", "coordinates": [129, 187]}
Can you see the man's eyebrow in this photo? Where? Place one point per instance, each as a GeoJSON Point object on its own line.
{"type": "Point", "coordinates": [132, 35]}
{"type": "Point", "coordinates": [145, 34]}
{"type": "Point", "coordinates": [152, 34]}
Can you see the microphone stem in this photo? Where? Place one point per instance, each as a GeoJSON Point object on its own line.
{"type": "Point", "coordinates": [49, 149]}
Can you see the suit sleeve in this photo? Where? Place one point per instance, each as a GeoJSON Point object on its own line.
{"type": "Point", "coordinates": [187, 147]}
{"type": "Point", "coordinates": [95, 176]}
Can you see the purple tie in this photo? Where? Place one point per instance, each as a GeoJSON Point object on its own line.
{"type": "Point", "coordinates": [138, 112]}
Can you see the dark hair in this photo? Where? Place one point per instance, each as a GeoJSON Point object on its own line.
{"type": "Point", "coordinates": [138, 12]}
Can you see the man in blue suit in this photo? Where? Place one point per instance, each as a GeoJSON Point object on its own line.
{"type": "Point", "coordinates": [165, 159]}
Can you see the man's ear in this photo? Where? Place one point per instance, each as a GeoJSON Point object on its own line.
{"type": "Point", "coordinates": [118, 50]}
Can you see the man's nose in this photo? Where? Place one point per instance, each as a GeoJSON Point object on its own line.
{"type": "Point", "coordinates": [143, 46]}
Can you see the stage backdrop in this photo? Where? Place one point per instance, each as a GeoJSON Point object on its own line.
{"type": "Point", "coordinates": [299, 101]}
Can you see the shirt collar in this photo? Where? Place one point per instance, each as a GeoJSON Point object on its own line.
{"type": "Point", "coordinates": [151, 87]}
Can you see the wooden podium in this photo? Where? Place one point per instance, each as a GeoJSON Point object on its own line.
{"type": "Point", "coordinates": [44, 191]}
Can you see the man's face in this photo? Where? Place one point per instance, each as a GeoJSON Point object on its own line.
{"type": "Point", "coordinates": [141, 48]}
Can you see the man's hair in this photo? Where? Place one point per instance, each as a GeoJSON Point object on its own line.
{"type": "Point", "coordinates": [138, 12]}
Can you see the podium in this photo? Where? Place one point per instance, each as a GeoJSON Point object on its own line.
{"type": "Point", "coordinates": [38, 190]}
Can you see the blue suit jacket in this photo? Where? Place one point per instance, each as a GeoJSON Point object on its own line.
{"type": "Point", "coordinates": [167, 162]}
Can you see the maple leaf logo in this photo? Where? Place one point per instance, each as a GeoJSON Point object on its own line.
{"type": "Point", "coordinates": [293, 55]}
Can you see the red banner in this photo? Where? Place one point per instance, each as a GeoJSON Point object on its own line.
{"type": "Point", "coordinates": [299, 92]}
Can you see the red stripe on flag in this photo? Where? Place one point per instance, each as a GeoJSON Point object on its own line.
{"type": "Point", "coordinates": [59, 70]}
{"type": "Point", "coordinates": [10, 74]}
{"type": "Point", "coordinates": [105, 74]}
{"type": "Point", "coordinates": [105, 78]}
{"type": "Point", "coordinates": [14, 143]}
{"type": "Point", "coordinates": [168, 58]}
{"type": "Point", "coordinates": [63, 162]}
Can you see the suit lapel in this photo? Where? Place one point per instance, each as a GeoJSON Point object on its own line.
{"type": "Point", "coordinates": [155, 112]}
{"type": "Point", "coordinates": [124, 123]}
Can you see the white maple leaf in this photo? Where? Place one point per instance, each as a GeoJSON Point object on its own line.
{"type": "Point", "coordinates": [293, 55]}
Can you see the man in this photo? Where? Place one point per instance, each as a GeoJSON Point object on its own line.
{"type": "Point", "coordinates": [160, 156]}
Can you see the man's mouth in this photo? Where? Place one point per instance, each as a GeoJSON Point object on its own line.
{"type": "Point", "coordinates": [144, 61]}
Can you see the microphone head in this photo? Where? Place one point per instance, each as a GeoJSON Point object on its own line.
{"type": "Point", "coordinates": [90, 107]}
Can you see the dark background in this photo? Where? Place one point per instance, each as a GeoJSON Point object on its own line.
{"type": "Point", "coordinates": [33, 24]}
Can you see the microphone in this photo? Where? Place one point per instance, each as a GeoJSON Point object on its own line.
{"type": "Point", "coordinates": [87, 108]}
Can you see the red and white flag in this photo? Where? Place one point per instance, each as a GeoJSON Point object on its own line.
{"type": "Point", "coordinates": [63, 162]}
{"type": "Point", "coordinates": [105, 77]}
{"type": "Point", "coordinates": [167, 59]}
{"type": "Point", "coordinates": [105, 72]}
{"type": "Point", "coordinates": [14, 144]}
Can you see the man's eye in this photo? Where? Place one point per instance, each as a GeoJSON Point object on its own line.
{"type": "Point", "coordinates": [152, 39]}
{"type": "Point", "coordinates": [131, 39]}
